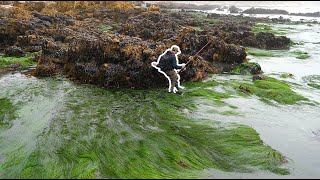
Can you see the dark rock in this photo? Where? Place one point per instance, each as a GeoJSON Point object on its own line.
{"type": "Point", "coordinates": [175, 5]}
{"type": "Point", "coordinates": [14, 51]}
{"type": "Point", "coordinates": [258, 77]}
{"type": "Point", "coordinates": [213, 15]}
{"type": "Point", "coordinates": [266, 41]}
{"type": "Point", "coordinates": [264, 11]}
{"type": "Point", "coordinates": [271, 41]}
{"type": "Point", "coordinates": [244, 89]}
{"type": "Point", "coordinates": [233, 9]}
{"type": "Point", "coordinates": [30, 43]}
{"type": "Point", "coordinates": [315, 14]}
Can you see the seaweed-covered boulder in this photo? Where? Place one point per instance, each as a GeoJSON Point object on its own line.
{"type": "Point", "coordinates": [150, 26]}
{"type": "Point", "coordinates": [30, 43]}
{"type": "Point", "coordinates": [266, 40]}
{"type": "Point", "coordinates": [221, 52]}
{"type": "Point", "coordinates": [265, 11]}
{"type": "Point", "coordinates": [10, 29]}
{"type": "Point", "coordinates": [272, 42]}
{"type": "Point", "coordinates": [115, 48]}
{"type": "Point", "coordinates": [249, 68]}
{"type": "Point", "coordinates": [115, 60]}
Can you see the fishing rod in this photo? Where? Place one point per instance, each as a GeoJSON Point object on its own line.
{"type": "Point", "coordinates": [193, 56]}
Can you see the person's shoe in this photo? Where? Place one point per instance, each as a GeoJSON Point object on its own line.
{"type": "Point", "coordinates": [181, 87]}
{"type": "Point", "coordinates": [178, 92]}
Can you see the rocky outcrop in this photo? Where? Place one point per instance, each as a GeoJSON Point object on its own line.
{"type": "Point", "coordinates": [266, 41]}
{"type": "Point", "coordinates": [248, 68]}
{"type": "Point", "coordinates": [10, 29]}
{"type": "Point", "coordinates": [115, 48]}
{"type": "Point", "coordinates": [151, 26]}
{"type": "Point", "coordinates": [14, 51]}
{"type": "Point", "coordinates": [115, 60]}
{"type": "Point", "coordinates": [233, 9]}
{"type": "Point", "coordinates": [264, 11]}
{"type": "Point", "coordinates": [315, 14]}
{"type": "Point", "coordinates": [176, 5]}
{"type": "Point", "coordinates": [6, 2]}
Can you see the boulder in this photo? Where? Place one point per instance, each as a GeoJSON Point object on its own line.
{"type": "Point", "coordinates": [14, 51]}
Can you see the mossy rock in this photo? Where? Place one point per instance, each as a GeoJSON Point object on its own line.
{"type": "Point", "coordinates": [287, 75]}
{"type": "Point", "coordinates": [249, 68]}
{"type": "Point", "coordinates": [301, 55]}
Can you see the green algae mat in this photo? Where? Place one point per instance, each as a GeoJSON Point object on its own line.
{"type": "Point", "coordinates": [53, 128]}
{"type": "Point", "coordinates": [268, 90]}
{"type": "Point", "coordinates": [23, 62]}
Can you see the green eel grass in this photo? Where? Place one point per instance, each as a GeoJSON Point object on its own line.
{"type": "Point", "coordinates": [23, 62]}
{"type": "Point", "coordinates": [263, 53]}
{"type": "Point", "coordinates": [92, 132]}
{"type": "Point", "coordinates": [313, 81]}
{"type": "Point", "coordinates": [271, 89]}
{"type": "Point", "coordinates": [260, 27]}
{"type": "Point", "coordinates": [286, 75]}
{"type": "Point", "coordinates": [7, 112]}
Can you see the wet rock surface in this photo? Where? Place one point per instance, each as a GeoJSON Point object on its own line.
{"type": "Point", "coordinates": [14, 51]}
{"type": "Point", "coordinates": [265, 40]}
{"type": "Point", "coordinates": [250, 68]}
{"type": "Point", "coordinates": [114, 47]}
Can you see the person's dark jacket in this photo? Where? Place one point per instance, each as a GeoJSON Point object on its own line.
{"type": "Point", "coordinates": [172, 57]}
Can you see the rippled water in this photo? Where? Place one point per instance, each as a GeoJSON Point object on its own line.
{"type": "Point", "coordinates": [308, 40]}
{"type": "Point", "coordinates": [290, 6]}
{"type": "Point", "coordinates": [289, 129]}
{"type": "Point", "coordinates": [293, 130]}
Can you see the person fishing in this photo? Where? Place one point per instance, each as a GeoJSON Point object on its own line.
{"type": "Point", "coordinates": [168, 64]}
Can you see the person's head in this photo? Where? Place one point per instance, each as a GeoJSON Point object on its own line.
{"type": "Point", "coordinates": [175, 49]}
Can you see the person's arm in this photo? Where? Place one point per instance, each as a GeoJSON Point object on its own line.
{"type": "Point", "coordinates": [174, 63]}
